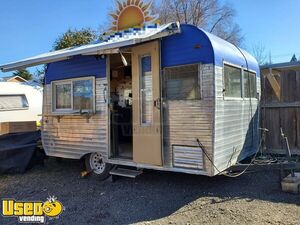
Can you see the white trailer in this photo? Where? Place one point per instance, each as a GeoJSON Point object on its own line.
{"type": "Point", "coordinates": [20, 102]}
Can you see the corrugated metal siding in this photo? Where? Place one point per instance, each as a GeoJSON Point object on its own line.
{"type": "Point", "coordinates": [233, 131]}
{"type": "Point", "coordinates": [77, 66]}
{"type": "Point", "coordinates": [75, 136]}
{"type": "Point", "coordinates": [185, 121]}
{"type": "Point", "coordinates": [187, 157]}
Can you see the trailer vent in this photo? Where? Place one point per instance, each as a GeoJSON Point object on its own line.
{"type": "Point", "coordinates": [187, 157]}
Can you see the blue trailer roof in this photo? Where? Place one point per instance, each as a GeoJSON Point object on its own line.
{"type": "Point", "coordinates": [194, 45]}
{"type": "Point", "coordinates": [225, 51]}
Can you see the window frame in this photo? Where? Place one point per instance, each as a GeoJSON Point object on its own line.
{"type": "Point", "coordinates": [255, 82]}
{"type": "Point", "coordinates": [70, 81]}
{"type": "Point", "coordinates": [241, 81]}
{"type": "Point", "coordinates": [140, 91]}
{"type": "Point", "coordinates": [243, 70]}
{"type": "Point", "coordinates": [17, 108]}
{"type": "Point", "coordinates": [199, 84]}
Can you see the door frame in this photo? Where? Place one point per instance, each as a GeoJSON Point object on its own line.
{"type": "Point", "coordinates": [109, 150]}
{"type": "Point", "coordinates": [110, 155]}
{"type": "Point", "coordinates": [161, 104]}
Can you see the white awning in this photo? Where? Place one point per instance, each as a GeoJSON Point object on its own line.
{"type": "Point", "coordinates": [110, 46]}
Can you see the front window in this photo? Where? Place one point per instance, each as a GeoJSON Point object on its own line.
{"type": "Point", "coordinates": [232, 80]}
{"type": "Point", "coordinates": [13, 102]}
{"type": "Point", "coordinates": [182, 82]}
{"type": "Point", "coordinates": [73, 95]}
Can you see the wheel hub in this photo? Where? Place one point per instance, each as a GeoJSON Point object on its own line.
{"type": "Point", "coordinates": [97, 164]}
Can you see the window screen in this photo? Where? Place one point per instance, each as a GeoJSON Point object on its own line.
{"type": "Point", "coordinates": [182, 83]}
{"type": "Point", "coordinates": [13, 102]}
{"type": "Point", "coordinates": [249, 84]}
{"type": "Point", "coordinates": [232, 80]}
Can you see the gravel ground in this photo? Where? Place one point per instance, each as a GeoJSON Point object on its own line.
{"type": "Point", "coordinates": [154, 197]}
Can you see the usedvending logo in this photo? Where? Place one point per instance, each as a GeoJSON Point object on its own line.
{"type": "Point", "coordinates": [32, 211]}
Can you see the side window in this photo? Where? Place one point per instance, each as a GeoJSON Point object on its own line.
{"type": "Point", "coordinates": [182, 82]}
{"type": "Point", "coordinates": [13, 102]}
{"type": "Point", "coordinates": [249, 84]}
{"type": "Point", "coordinates": [63, 96]}
{"type": "Point", "coordinates": [73, 95]}
{"type": "Point", "coordinates": [232, 81]}
{"type": "Point", "coordinates": [83, 95]}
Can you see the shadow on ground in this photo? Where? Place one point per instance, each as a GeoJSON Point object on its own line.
{"type": "Point", "coordinates": [152, 196]}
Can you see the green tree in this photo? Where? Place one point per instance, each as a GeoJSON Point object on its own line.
{"type": "Point", "coordinates": [294, 58]}
{"type": "Point", "coordinates": [39, 75]}
{"type": "Point", "coordinates": [24, 74]}
{"type": "Point", "coordinates": [74, 37]}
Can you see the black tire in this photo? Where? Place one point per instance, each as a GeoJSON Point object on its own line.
{"type": "Point", "coordinates": [101, 172]}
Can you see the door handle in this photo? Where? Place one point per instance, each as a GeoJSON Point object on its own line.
{"type": "Point", "coordinates": [105, 93]}
{"type": "Point", "coordinates": [157, 103]}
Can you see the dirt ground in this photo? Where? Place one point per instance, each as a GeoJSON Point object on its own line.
{"type": "Point", "coordinates": [154, 197]}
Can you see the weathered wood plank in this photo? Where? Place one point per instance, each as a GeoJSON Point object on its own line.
{"type": "Point", "coordinates": [288, 86]}
{"type": "Point", "coordinates": [272, 123]}
{"type": "Point", "coordinates": [268, 95]}
{"type": "Point", "coordinates": [274, 84]}
{"type": "Point", "coordinates": [288, 124]}
{"type": "Point", "coordinates": [284, 114]}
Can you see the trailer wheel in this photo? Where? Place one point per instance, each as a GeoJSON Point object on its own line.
{"type": "Point", "coordinates": [94, 162]}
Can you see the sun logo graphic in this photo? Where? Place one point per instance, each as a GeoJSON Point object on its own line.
{"type": "Point", "coordinates": [132, 13]}
{"type": "Point", "coordinates": [32, 211]}
{"type": "Point", "coordinates": [52, 207]}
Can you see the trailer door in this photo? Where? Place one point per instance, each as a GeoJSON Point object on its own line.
{"type": "Point", "coordinates": [146, 104]}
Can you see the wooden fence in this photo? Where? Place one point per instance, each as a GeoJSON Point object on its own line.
{"type": "Point", "coordinates": [281, 110]}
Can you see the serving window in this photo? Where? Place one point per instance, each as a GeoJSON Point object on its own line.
{"type": "Point", "coordinates": [74, 95]}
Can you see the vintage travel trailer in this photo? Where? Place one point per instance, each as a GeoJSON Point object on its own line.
{"type": "Point", "coordinates": [166, 97]}
{"type": "Point", "coordinates": [20, 102]}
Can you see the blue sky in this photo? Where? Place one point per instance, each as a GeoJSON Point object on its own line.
{"type": "Point", "coordinates": [30, 27]}
{"type": "Point", "coordinates": [273, 23]}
